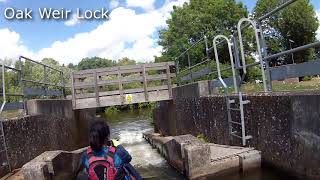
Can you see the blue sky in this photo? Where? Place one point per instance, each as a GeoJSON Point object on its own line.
{"type": "Point", "coordinates": [131, 32]}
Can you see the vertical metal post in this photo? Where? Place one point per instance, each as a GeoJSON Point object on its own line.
{"type": "Point", "coordinates": [3, 87]}
{"type": "Point", "coordinates": [207, 47]}
{"type": "Point", "coordinates": [63, 85]}
{"type": "Point", "coordinates": [21, 82]}
{"type": "Point", "coordinates": [265, 54]}
{"type": "Point", "coordinates": [243, 127]}
{"type": "Point", "coordinates": [189, 66]}
{"type": "Point", "coordinates": [236, 52]}
{"type": "Point", "coordinates": [176, 62]}
{"type": "Point", "coordinates": [237, 59]}
{"type": "Point", "coordinates": [73, 91]}
{"type": "Point", "coordinates": [45, 74]}
{"type": "Point", "coordinates": [177, 66]}
{"type": "Point", "coordinates": [2, 107]}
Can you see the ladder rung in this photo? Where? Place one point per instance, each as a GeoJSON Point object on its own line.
{"type": "Point", "coordinates": [2, 150]}
{"type": "Point", "coordinates": [232, 134]}
{"type": "Point", "coordinates": [234, 109]}
{"type": "Point", "coordinates": [235, 122]}
{"type": "Point", "coordinates": [4, 164]}
{"type": "Point", "coordinates": [245, 102]}
{"type": "Point", "coordinates": [247, 137]}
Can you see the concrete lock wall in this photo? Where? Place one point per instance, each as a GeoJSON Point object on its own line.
{"type": "Point", "coordinates": [284, 126]}
{"type": "Point", "coordinates": [50, 125]}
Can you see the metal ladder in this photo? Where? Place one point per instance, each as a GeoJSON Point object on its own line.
{"type": "Point", "coordinates": [240, 125]}
{"type": "Point", "coordinates": [3, 145]}
{"type": "Point", "coordinates": [3, 149]}
{"type": "Point", "coordinates": [237, 129]}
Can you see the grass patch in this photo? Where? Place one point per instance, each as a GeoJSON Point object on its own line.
{"type": "Point", "coordinates": [308, 85]}
{"type": "Point", "coordinates": [11, 114]}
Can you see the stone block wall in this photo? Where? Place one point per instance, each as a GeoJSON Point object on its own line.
{"type": "Point", "coordinates": [284, 126]}
{"type": "Point", "coordinates": [50, 125]}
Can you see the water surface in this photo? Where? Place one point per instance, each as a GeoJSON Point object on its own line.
{"type": "Point", "coordinates": [128, 126]}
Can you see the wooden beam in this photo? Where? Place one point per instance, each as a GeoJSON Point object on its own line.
{"type": "Point", "coordinates": [123, 69]}
{"type": "Point", "coordinates": [125, 80]}
{"type": "Point", "coordinates": [125, 91]}
{"type": "Point", "coordinates": [96, 89]}
{"type": "Point", "coordinates": [145, 83]}
{"type": "Point", "coordinates": [120, 86]}
{"type": "Point", "coordinates": [100, 87]}
{"type": "Point", "coordinates": [105, 101]}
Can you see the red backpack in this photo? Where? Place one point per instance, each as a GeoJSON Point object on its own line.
{"type": "Point", "coordinates": [102, 168]}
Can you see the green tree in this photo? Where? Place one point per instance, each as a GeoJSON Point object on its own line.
{"type": "Point", "coordinates": [94, 63]}
{"type": "Point", "coordinates": [125, 62]}
{"type": "Point", "coordinates": [71, 66]}
{"type": "Point", "coordinates": [190, 22]}
{"type": "Point", "coordinates": [292, 27]}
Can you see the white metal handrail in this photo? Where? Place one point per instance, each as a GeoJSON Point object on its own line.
{"type": "Point", "coordinates": [256, 31]}
{"type": "Point", "coordinates": [231, 59]}
{"type": "Point", "coordinates": [2, 107]}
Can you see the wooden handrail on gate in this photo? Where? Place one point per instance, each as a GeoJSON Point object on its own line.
{"type": "Point", "coordinates": [93, 79]}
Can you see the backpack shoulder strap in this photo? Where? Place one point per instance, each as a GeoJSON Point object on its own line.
{"type": "Point", "coordinates": [89, 152]}
{"type": "Point", "coordinates": [92, 158]}
{"type": "Point", "coordinates": [110, 155]}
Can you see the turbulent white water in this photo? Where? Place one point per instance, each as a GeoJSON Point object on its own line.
{"type": "Point", "coordinates": [130, 136]}
{"type": "Point", "coordinates": [129, 128]}
{"type": "Point", "coordinates": [146, 159]}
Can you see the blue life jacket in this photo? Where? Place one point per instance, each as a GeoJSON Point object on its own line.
{"type": "Point", "coordinates": [122, 161]}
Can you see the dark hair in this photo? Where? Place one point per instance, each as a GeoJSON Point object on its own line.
{"type": "Point", "coordinates": [98, 134]}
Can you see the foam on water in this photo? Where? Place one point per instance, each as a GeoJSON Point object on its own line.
{"type": "Point", "coordinates": [150, 163]}
{"type": "Point", "coordinates": [130, 136]}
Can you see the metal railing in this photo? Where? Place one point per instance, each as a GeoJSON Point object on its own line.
{"type": "Point", "coordinates": [2, 134]}
{"type": "Point", "coordinates": [28, 87]}
{"type": "Point", "coordinates": [25, 92]}
{"type": "Point", "coordinates": [240, 65]}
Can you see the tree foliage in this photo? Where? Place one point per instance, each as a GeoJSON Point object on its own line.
{"type": "Point", "coordinates": [94, 63]}
{"type": "Point", "coordinates": [192, 21]}
{"type": "Point", "coordinates": [292, 27]}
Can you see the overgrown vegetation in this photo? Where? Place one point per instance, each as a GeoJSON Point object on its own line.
{"type": "Point", "coordinates": [292, 27]}
{"type": "Point", "coordinates": [145, 109]}
{"type": "Point", "coordinates": [202, 138]}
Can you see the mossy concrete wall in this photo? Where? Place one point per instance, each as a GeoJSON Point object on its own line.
{"type": "Point", "coordinates": [284, 126]}
{"type": "Point", "coordinates": [50, 125]}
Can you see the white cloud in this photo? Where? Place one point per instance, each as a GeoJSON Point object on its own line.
{"type": "Point", "coordinates": [318, 32]}
{"type": "Point", "coordinates": [11, 45]}
{"type": "Point", "coordinates": [72, 21]}
{"type": "Point", "coordinates": [3, 0]}
{"type": "Point", "coordinates": [114, 4]}
{"type": "Point", "coordinates": [145, 4]}
{"type": "Point", "coordinates": [108, 40]}
{"type": "Point", "coordinates": [125, 26]}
